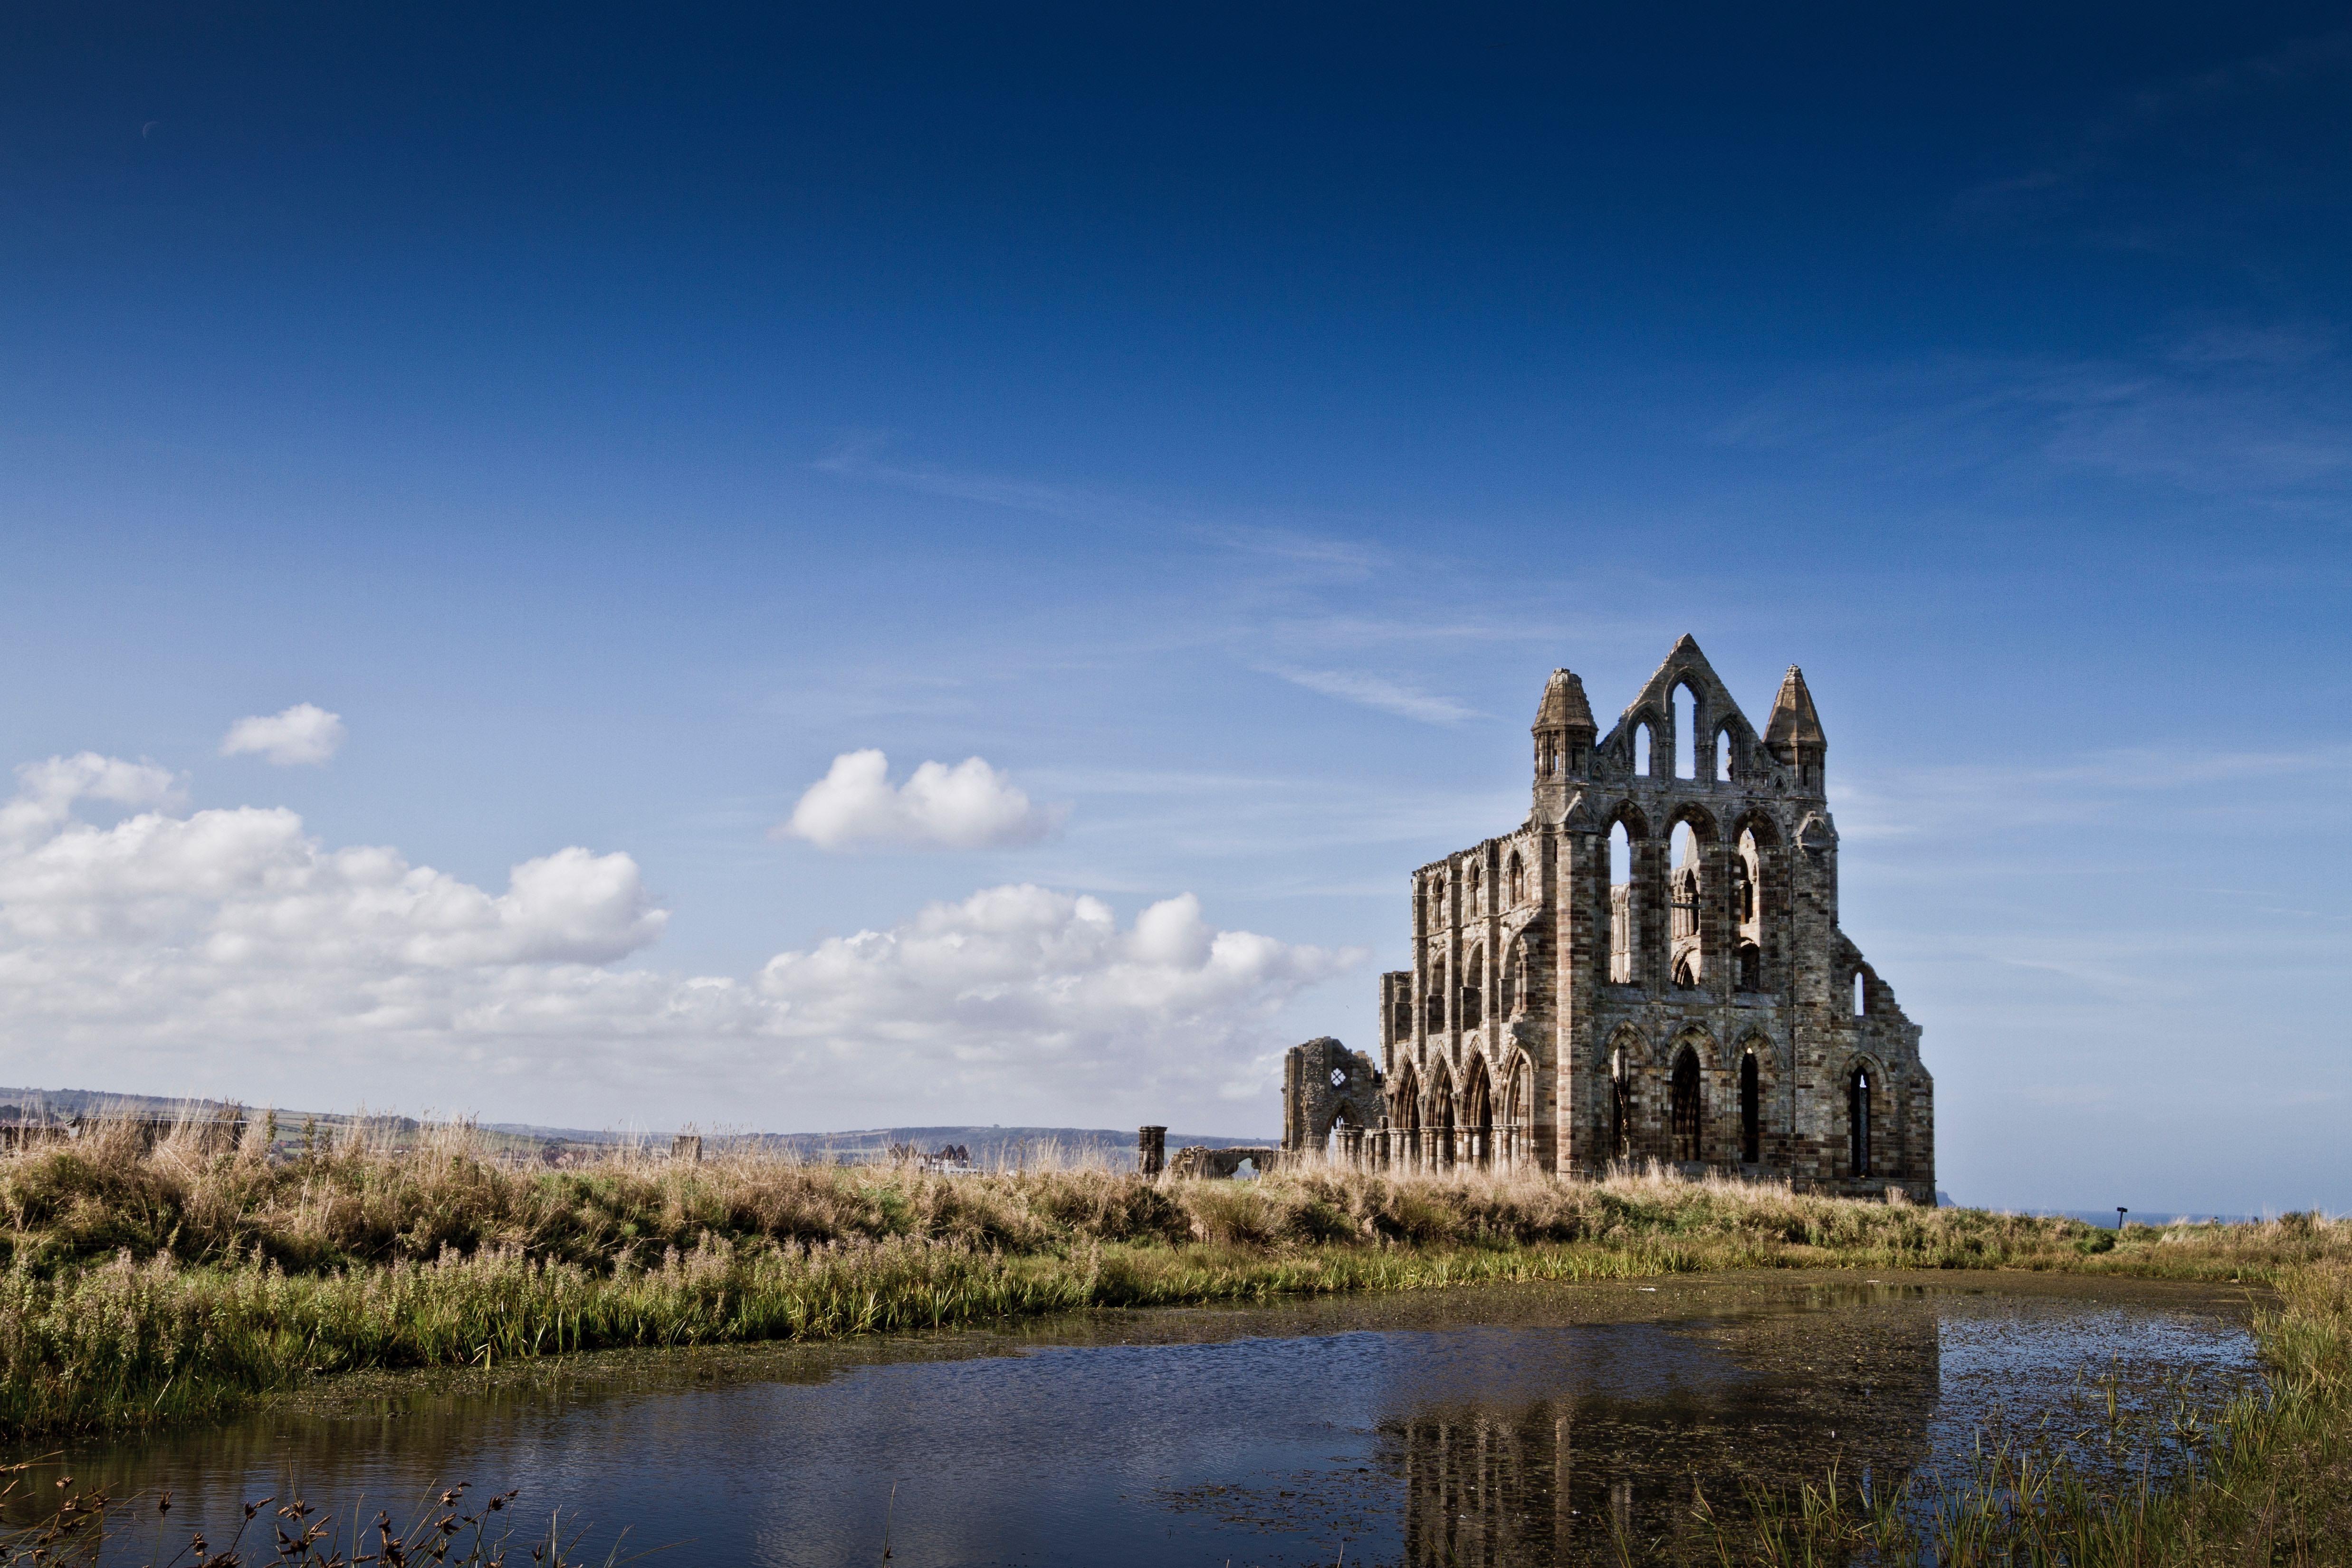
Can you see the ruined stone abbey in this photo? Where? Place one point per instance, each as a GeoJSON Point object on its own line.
{"type": "Point", "coordinates": [1648, 968]}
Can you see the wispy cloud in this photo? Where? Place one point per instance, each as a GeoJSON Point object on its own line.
{"type": "Point", "coordinates": [1373, 692]}
{"type": "Point", "coordinates": [2089, 788]}
{"type": "Point", "coordinates": [2172, 107]}
{"type": "Point", "coordinates": [2246, 410]}
{"type": "Point", "coordinates": [859, 461]}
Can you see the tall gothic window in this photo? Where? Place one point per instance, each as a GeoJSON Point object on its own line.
{"type": "Point", "coordinates": [1686, 1105]}
{"type": "Point", "coordinates": [1752, 1111]}
{"type": "Point", "coordinates": [1857, 1120]}
{"type": "Point", "coordinates": [1621, 1106]}
{"type": "Point", "coordinates": [1685, 710]}
{"type": "Point", "coordinates": [1620, 905]}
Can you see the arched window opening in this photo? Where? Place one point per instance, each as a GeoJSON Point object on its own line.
{"type": "Point", "coordinates": [1621, 1106]}
{"type": "Point", "coordinates": [1861, 995]}
{"type": "Point", "coordinates": [1620, 905]}
{"type": "Point", "coordinates": [1682, 887]}
{"type": "Point", "coordinates": [1514, 981]}
{"type": "Point", "coordinates": [1474, 989]}
{"type": "Point", "coordinates": [1335, 1144]}
{"type": "Point", "coordinates": [1404, 1116]}
{"type": "Point", "coordinates": [1476, 882]}
{"type": "Point", "coordinates": [1518, 879]}
{"type": "Point", "coordinates": [1478, 1118]}
{"type": "Point", "coordinates": [1752, 1111]}
{"type": "Point", "coordinates": [1723, 757]}
{"type": "Point", "coordinates": [1857, 1120]}
{"type": "Point", "coordinates": [1435, 1000]}
{"type": "Point", "coordinates": [1441, 1120]}
{"type": "Point", "coordinates": [1685, 1106]}
{"type": "Point", "coordinates": [1682, 704]}
{"type": "Point", "coordinates": [1642, 749]}
{"type": "Point", "coordinates": [1519, 1114]}
{"type": "Point", "coordinates": [1402, 1019]}
{"type": "Point", "coordinates": [1748, 910]}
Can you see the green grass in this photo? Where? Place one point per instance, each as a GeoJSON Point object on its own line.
{"type": "Point", "coordinates": [2268, 1481]}
{"type": "Point", "coordinates": [176, 1283]}
{"type": "Point", "coordinates": [180, 1282]}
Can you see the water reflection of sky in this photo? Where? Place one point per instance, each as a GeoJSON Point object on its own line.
{"type": "Point", "coordinates": [1503, 1425]}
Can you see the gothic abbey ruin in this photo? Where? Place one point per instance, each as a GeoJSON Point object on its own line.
{"type": "Point", "coordinates": [1648, 968]}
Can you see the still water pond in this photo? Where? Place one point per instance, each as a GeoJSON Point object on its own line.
{"type": "Point", "coordinates": [1506, 1426]}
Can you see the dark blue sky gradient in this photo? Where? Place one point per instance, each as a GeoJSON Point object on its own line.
{"type": "Point", "coordinates": [615, 414]}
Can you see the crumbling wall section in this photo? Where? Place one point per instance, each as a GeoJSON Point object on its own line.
{"type": "Point", "coordinates": [1324, 1085]}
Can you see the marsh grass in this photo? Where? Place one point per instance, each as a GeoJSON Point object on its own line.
{"type": "Point", "coordinates": [2264, 1477]}
{"type": "Point", "coordinates": [174, 1281]}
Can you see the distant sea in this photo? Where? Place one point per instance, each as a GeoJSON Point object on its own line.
{"type": "Point", "coordinates": [2142, 1217]}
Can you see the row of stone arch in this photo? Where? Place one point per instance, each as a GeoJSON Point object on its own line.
{"type": "Point", "coordinates": [1488, 1118]}
{"type": "Point", "coordinates": [1687, 1106]}
{"type": "Point", "coordinates": [1512, 986]}
{"type": "Point", "coordinates": [1718, 922]}
{"type": "Point", "coordinates": [1649, 747]}
{"type": "Point", "coordinates": [1697, 1111]}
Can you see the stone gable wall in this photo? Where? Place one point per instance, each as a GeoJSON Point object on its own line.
{"type": "Point", "coordinates": [1570, 1071]}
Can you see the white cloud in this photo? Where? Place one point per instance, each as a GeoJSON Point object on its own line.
{"type": "Point", "coordinates": [304, 733]}
{"type": "Point", "coordinates": [230, 951]}
{"type": "Point", "coordinates": [46, 791]}
{"type": "Point", "coordinates": [970, 806]}
{"type": "Point", "coordinates": [1372, 692]}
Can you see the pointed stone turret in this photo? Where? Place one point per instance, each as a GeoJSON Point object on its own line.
{"type": "Point", "coordinates": [1793, 733]}
{"type": "Point", "coordinates": [1563, 731]}
{"type": "Point", "coordinates": [1563, 706]}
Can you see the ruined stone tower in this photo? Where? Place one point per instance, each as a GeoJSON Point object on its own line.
{"type": "Point", "coordinates": [1685, 996]}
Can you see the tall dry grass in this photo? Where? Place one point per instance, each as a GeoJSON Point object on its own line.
{"type": "Point", "coordinates": [173, 1282]}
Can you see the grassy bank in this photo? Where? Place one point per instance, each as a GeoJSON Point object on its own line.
{"type": "Point", "coordinates": [2268, 1481]}
{"type": "Point", "coordinates": [176, 1283]}
{"type": "Point", "coordinates": [179, 1281]}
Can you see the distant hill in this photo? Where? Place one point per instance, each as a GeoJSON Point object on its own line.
{"type": "Point", "coordinates": [989, 1146]}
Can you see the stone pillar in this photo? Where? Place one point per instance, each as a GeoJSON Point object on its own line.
{"type": "Point", "coordinates": [687, 1146]}
{"type": "Point", "coordinates": [1152, 1151]}
{"type": "Point", "coordinates": [1352, 1148]}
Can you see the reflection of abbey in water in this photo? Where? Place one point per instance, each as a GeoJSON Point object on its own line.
{"type": "Point", "coordinates": [1649, 967]}
{"type": "Point", "coordinates": [1566, 1479]}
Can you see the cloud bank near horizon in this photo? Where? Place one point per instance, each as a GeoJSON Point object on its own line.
{"type": "Point", "coordinates": [228, 950]}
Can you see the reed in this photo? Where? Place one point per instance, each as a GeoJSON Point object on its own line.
{"type": "Point", "coordinates": [2264, 1479]}
{"type": "Point", "coordinates": [178, 1280]}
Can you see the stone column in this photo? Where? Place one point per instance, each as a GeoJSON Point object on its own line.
{"type": "Point", "coordinates": [1152, 1151]}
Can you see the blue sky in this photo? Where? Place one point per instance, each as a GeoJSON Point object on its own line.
{"type": "Point", "coordinates": [1220, 423]}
